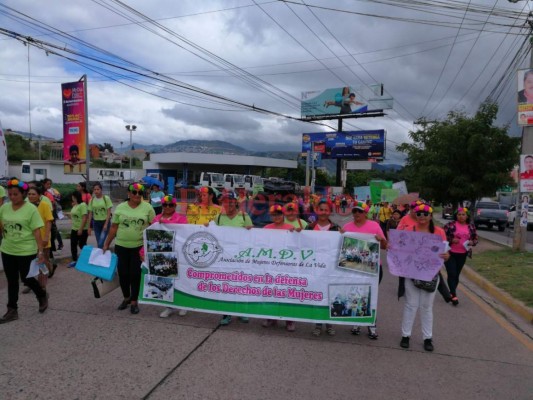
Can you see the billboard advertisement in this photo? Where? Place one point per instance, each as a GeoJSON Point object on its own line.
{"type": "Point", "coordinates": [350, 145]}
{"type": "Point", "coordinates": [526, 173]}
{"type": "Point", "coordinates": [525, 97]}
{"type": "Point", "coordinates": [344, 100]}
{"type": "Point", "coordinates": [74, 99]}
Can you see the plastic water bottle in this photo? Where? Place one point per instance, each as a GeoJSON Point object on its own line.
{"type": "Point", "coordinates": [43, 269]}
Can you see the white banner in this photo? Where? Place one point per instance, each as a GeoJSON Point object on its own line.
{"type": "Point", "coordinates": [308, 275]}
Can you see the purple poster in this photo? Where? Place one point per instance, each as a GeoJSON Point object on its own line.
{"type": "Point", "coordinates": [414, 255]}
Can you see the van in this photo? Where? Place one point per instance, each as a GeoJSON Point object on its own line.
{"type": "Point", "coordinates": [233, 181]}
{"type": "Point", "coordinates": [253, 183]}
{"type": "Point", "coordinates": [212, 179]}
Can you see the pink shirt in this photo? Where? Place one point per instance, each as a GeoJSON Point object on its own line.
{"type": "Point", "coordinates": [176, 218]}
{"type": "Point", "coordinates": [463, 234]}
{"type": "Point", "coordinates": [371, 227]}
{"type": "Point", "coordinates": [406, 223]}
{"type": "Point", "coordinates": [284, 226]}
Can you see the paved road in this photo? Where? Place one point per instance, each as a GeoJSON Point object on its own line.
{"type": "Point", "coordinates": [84, 348]}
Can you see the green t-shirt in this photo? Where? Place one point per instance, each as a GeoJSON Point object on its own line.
{"type": "Point", "coordinates": [296, 224]}
{"type": "Point", "coordinates": [2, 192]}
{"type": "Point", "coordinates": [239, 220]}
{"type": "Point", "coordinates": [99, 207]}
{"type": "Point", "coordinates": [77, 213]}
{"type": "Point", "coordinates": [18, 227]}
{"type": "Point", "coordinates": [131, 223]}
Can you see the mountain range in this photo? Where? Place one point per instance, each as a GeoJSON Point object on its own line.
{"type": "Point", "coordinates": [218, 147]}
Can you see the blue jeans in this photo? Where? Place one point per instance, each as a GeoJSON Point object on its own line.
{"type": "Point", "coordinates": [99, 233]}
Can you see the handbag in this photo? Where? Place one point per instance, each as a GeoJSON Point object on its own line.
{"type": "Point", "coordinates": [428, 286]}
{"type": "Point", "coordinates": [101, 287]}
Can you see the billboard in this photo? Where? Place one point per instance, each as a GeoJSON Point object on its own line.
{"type": "Point", "coordinates": [74, 100]}
{"type": "Point", "coordinates": [351, 145]}
{"type": "Point", "coordinates": [344, 100]}
{"type": "Point", "coordinates": [525, 97]}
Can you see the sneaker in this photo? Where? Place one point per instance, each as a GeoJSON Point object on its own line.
{"type": "Point", "coordinates": [428, 345]}
{"type": "Point", "coordinates": [405, 342]}
{"type": "Point", "coordinates": [167, 312]}
{"type": "Point", "coordinates": [226, 319]}
{"type": "Point", "coordinates": [268, 323]}
{"type": "Point", "coordinates": [244, 320]}
{"type": "Point", "coordinates": [356, 330]}
{"type": "Point", "coordinates": [290, 326]}
{"type": "Point", "coordinates": [11, 315]}
{"type": "Point", "coordinates": [72, 264]}
{"type": "Point", "coordinates": [182, 313]}
{"type": "Point", "coordinates": [455, 300]}
{"type": "Point", "coordinates": [134, 309]}
{"type": "Point", "coordinates": [317, 331]}
{"type": "Point", "coordinates": [60, 247]}
{"type": "Point", "coordinates": [26, 290]}
{"type": "Point", "coordinates": [372, 334]}
{"type": "Point", "coordinates": [43, 303]}
{"type": "Point", "coordinates": [53, 271]}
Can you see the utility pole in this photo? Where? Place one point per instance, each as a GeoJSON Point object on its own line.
{"type": "Point", "coordinates": [520, 232]}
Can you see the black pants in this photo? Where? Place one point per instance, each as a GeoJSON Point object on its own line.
{"type": "Point", "coordinates": [55, 235]}
{"type": "Point", "coordinates": [443, 289]}
{"type": "Point", "coordinates": [129, 271]}
{"type": "Point", "coordinates": [15, 266]}
{"type": "Point", "coordinates": [454, 266]}
{"type": "Point", "coordinates": [77, 241]}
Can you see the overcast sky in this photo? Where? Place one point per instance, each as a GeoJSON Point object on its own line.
{"type": "Point", "coordinates": [430, 60]}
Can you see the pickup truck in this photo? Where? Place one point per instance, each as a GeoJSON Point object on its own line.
{"type": "Point", "coordinates": [490, 213]}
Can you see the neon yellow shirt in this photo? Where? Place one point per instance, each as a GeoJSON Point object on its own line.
{"type": "Point", "coordinates": [99, 207]}
{"type": "Point", "coordinates": [241, 220]}
{"type": "Point", "coordinates": [131, 223]}
{"type": "Point", "coordinates": [45, 211]}
{"type": "Point", "coordinates": [77, 213]}
{"type": "Point", "coordinates": [200, 215]}
{"type": "Point", "coordinates": [18, 227]}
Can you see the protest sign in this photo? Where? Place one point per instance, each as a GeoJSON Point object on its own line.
{"type": "Point", "coordinates": [300, 276]}
{"type": "Point", "coordinates": [414, 254]}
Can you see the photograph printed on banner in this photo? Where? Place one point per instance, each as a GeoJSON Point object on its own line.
{"type": "Point", "coordinates": [348, 301]}
{"type": "Point", "coordinates": [158, 288]}
{"type": "Point", "coordinates": [359, 255]}
{"type": "Point", "coordinates": [159, 241]}
{"type": "Point", "coordinates": [163, 264]}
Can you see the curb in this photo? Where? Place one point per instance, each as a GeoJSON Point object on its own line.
{"type": "Point", "coordinates": [516, 305]}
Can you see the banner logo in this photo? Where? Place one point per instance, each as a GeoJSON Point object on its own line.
{"type": "Point", "coordinates": [201, 249]}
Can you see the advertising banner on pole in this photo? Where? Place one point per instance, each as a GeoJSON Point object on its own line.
{"type": "Point", "coordinates": [262, 273]}
{"type": "Point", "coordinates": [525, 97]}
{"type": "Point", "coordinates": [73, 95]}
{"type": "Point", "coordinates": [349, 145]}
{"type": "Point", "coordinates": [526, 173]}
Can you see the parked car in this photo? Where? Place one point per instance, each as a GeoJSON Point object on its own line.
{"type": "Point", "coordinates": [447, 211]}
{"type": "Point", "coordinates": [511, 215]}
{"type": "Point", "coordinates": [490, 213]}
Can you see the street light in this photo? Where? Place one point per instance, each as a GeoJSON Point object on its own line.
{"type": "Point", "coordinates": [131, 128]}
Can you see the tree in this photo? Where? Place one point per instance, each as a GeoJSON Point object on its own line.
{"type": "Point", "coordinates": [108, 146]}
{"type": "Point", "coordinates": [19, 148]}
{"type": "Point", "coordinates": [460, 158]}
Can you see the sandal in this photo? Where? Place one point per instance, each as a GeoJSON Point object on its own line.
{"type": "Point", "coordinates": [330, 331]}
{"type": "Point", "coordinates": [356, 330]}
{"type": "Point", "coordinates": [317, 331]}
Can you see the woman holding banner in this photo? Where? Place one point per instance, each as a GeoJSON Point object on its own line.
{"type": "Point", "coordinates": [415, 296]}
{"type": "Point", "coordinates": [278, 222]}
{"type": "Point", "coordinates": [323, 223]}
{"type": "Point", "coordinates": [206, 210]}
{"type": "Point", "coordinates": [361, 224]}
{"type": "Point", "coordinates": [169, 216]}
{"type": "Point", "coordinates": [127, 225]}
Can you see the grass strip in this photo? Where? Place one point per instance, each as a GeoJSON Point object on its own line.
{"type": "Point", "coordinates": [507, 269]}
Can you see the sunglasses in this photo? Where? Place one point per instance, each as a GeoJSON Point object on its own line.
{"type": "Point", "coordinates": [419, 214]}
{"type": "Point", "coordinates": [137, 192]}
{"type": "Point", "coordinates": [168, 205]}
